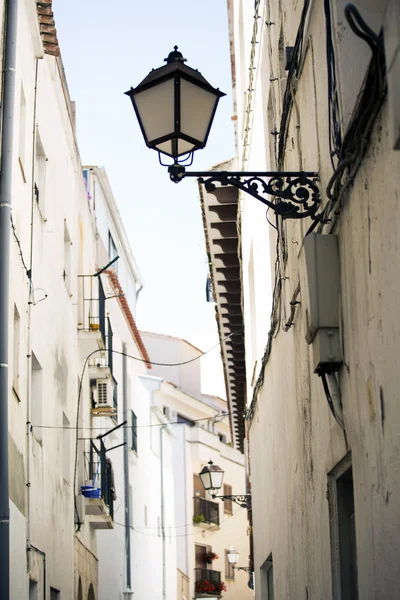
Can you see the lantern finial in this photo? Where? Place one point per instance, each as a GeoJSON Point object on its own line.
{"type": "Point", "coordinates": [175, 56]}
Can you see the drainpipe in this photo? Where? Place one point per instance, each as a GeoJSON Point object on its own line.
{"type": "Point", "coordinates": [163, 513]}
{"type": "Point", "coordinates": [126, 469]}
{"type": "Point", "coordinates": [43, 555]}
{"type": "Point", "coordinates": [6, 163]}
{"type": "Point", "coordinates": [31, 299]}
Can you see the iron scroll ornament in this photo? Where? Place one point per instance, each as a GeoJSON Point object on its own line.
{"type": "Point", "coordinates": [296, 194]}
{"type": "Point", "coordinates": [243, 500]}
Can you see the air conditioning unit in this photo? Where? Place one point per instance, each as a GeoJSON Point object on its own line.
{"type": "Point", "coordinates": [103, 393]}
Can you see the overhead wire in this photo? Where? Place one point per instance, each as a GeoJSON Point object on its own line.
{"type": "Point", "coordinates": [217, 416]}
{"type": "Point", "coordinates": [178, 535]}
{"type": "Point", "coordinates": [359, 129]}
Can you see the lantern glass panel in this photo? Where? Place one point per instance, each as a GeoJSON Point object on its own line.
{"type": "Point", "coordinates": [197, 109]}
{"type": "Point", "coordinates": [206, 480]}
{"type": "Point", "coordinates": [233, 556]}
{"type": "Point", "coordinates": [184, 147]}
{"type": "Point", "coordinates": [216, 479]}
{"type": "Point", "coordinates": [156, 110]}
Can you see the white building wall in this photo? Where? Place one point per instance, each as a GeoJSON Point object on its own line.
{"type": "Point", "coordinates": [193, 447]}
{"type": "Point", "coordinates": [185, 376]}
{"type": "Point", "coordinates": [294, 440]}
{"type": "Point", "coordinates": [43, 349]}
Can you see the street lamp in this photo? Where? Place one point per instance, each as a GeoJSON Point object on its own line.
{"type": "Point", "coordinates": [233, 557]}
{"type": "Point", "coordinates": [175, 106]}
{"type": "Point", "coordinates": [212, 477]}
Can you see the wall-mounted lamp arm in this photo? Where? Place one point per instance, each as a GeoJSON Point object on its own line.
{"type": "Point", "coordinates": [243, 500]}
{"type": "Point", "coordinates": [247, 569]}
{"type": "Point", "coordinates": [296, 193]}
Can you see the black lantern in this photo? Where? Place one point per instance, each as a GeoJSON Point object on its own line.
{"type": "Point", "coordinates": [175, 107]}
{"type": "Point", "coordinates": [211, 476]}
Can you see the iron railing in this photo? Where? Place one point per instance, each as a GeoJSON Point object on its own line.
{"type": "Point", "coordinates": [205, 511]}
{"type": "Point", "coordinates": [92, 309]}
{"type": "Point", "coordinates": [207, 575]}
{"type": "Point", "coordinates": [98, 470]}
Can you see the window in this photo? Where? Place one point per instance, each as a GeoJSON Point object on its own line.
{"type": "Point", "coordinates": [198, 487]}
{"type": "Point", "coordinates": [115, 398]}
{"type": "Point", "coordinates": [267, 579]}
{"type": "Point", "coordinates": [80, 593]}
{"type": "Point", "coordinates": [229, 569]}
{"type": "Point", "coordinates": [33, 590]}
{"type": "Point", "coordinates": [91, 595]}
{"type": "Point", "coordinates": [22, 132]}
{"type": "Point", "coordinates": [67, 258]}
{"type": "Point", "coordinates": [112, 251]}
{"type": "Point", "coordinates": [40, 174]}
{"type": "Point", "coordinates": [181, 419]}
{"type": "Point", "coordinates": [343, 531]}
{"type": "Point", "coordinates": [54, 594]}
{"type": "Point", "coordinates": [134, 431]}
{"type": "Point", "coordinates": [16, 350]}
{"type": "Point", "coordinates": [36, 396]}
{"type": "Point", "coordinates": [227, 503]}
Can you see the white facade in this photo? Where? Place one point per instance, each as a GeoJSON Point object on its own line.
{"type": "Point", "coordinates": [324, 498]}
{"type": "Point", "coordinates": [65, 544]}
{"type": "Point", "coordinates": [43, 325]}
{"type": "Point", "coordinates": [201, 433]}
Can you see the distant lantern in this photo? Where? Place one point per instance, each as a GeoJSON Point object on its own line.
{"type": "Point", "coordinates": [211, 476]}
{"type": "Point", "coordinates": [175, 107]}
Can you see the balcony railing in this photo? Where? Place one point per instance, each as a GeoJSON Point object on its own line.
{"type": "Point", "coordinates": [98, 474]}
{"type": "Point", "coordinates": [92, 310]}
{"type": "Point", "coordinates": [205, 511]}
{"type": "Point", "coordinates": [208, 582]}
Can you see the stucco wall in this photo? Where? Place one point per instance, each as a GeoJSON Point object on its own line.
{"type": "Point", "coordinates": [294, 440]}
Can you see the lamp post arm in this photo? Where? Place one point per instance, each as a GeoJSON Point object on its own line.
{"type": "Point", "coordinates": [293, 194]}
{"type": "Point", "coordinates": [243, 500]}
{"type": "Point", "coordinates": [247, 569]}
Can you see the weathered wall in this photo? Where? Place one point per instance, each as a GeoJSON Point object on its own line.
{"type": "Point", "coordinates": [294, 440]}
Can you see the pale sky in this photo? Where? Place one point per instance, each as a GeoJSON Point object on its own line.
{"type": "Point", "coordinates": [106, 48]}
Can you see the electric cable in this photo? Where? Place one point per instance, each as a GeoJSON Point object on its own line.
{"type": "Point", "coordinates": [178, 535]}
{"type": "Point", "coordinates": [221, 415]}
{"type": "Point", "coordinates": [329, 399]}
{"type": "Point", "coordinates": [359, 129]}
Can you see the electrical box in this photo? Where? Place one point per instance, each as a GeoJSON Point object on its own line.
{"type": "Point", "coordinates": [320, 296]}
{"type": "Point", "coordinates": [392, 57]}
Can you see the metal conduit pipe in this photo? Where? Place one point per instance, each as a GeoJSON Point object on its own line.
{"type": "Point", "coordinates": [126, 469]}
{"type": "Point", "coordinates": [6, 163]}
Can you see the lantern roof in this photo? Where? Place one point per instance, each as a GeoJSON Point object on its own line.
{"type": "Point", "coordinates": [175, 63]}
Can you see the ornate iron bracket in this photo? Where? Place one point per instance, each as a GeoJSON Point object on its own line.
{"type": "Point", "coordinates": [244, 500]}
{"type": "Point", "coordinates": [247, 569]}
{"type": "Point", "coordinates": [294, 195]}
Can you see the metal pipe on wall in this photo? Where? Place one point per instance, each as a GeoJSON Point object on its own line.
{"type": "Point", "coordinates": [126, 468]}
{"type": "Point", "coordinates": [164, 570]}
{"type": "Point", "coordinates": [6, 163]}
